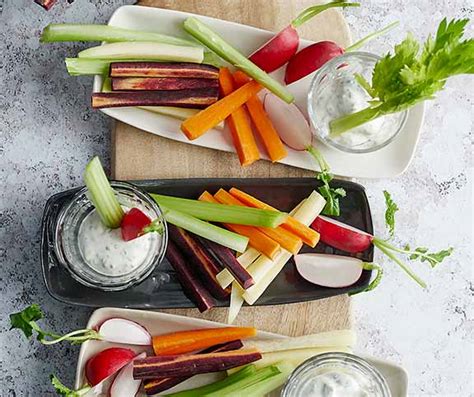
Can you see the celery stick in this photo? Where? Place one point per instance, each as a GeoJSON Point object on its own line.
{"type": "Point", "coordinates": [55, 32]}
{"type": "Point", "coordinates": [266, 386]}
{"type": "Point", "coordinates": [207, 230]}
{"type": "Point", "coordinates": [144, 50]}
{"type": "Point", "coordinates": [102, 195]}
{"type": "Point", "coordinates": [204, 390]}
{"type": "Point", "coordinates": [237, 389]}
{"type": "Point", "coordinates": [222, 213]}
{"type": "Point", "coordinates": [216, 43]}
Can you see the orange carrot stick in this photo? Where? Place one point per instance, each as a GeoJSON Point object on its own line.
{"type": "Point", "coordinates": [263, 125]}
{"type": "Point", "coordinates": [238, 122]}
{"type": "Point", "coordinates": [283, 237]}
{"type": "Point", "coordinates": [258, 240]}
{"type": "Point", "coordinates": [308, 235]}
{"type": "Point", "coordinates": [189, 341]}
{"type": "Point", "coordinates": [208, 118]}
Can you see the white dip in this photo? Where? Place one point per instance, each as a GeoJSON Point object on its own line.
{"type": "Point", "coordinates": [338, 382]}
{"type": "Point", "coordinates": [342, 96]}
{"type": "Point", "coordinates": [105, 251]}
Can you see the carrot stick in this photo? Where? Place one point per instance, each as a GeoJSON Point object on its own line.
{"type": "Point", "coordinates": [283, 237]}
{"type": "Point", "coordinates": [239, 125]}
{"type": "Point", "coordinates": [258, 240]}
{"type": "Point", "coordinates": [308, 235]}
{"type": "Point", "coordinates": [263, 125]}
{"type": "Point", "coordinates": [189, 341]}
{"type": "Point", "coordinates": [208, 118]}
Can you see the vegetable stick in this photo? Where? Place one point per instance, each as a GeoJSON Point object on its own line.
{"type": "Point", "coordinates": [286, 239]}
{"type": "Point", "coordinates": [242, 135]}
{"type": "Point", "coordinates": [343, 337]}
{"type": "Point", "coordinates": [263, 125]}
{"type": "Point", "coordinates": [189, 341]}
{"type": "Point", "coordinates": [208, 118]}
{"type": "Point", "coordinates": [160, 83]}
{"type": "Point", "coordinates": [236, 302]}
{"type": "Point", "coordinates": [308, 235]}
{"type": "Point", "coordinates": [257, 239]}
{"type": "Point", "coordinates": [308, 211]}
{"type": "Point", "coordinates": [225, 278]}
{"type": "Point", "coordinates": [163, 69]}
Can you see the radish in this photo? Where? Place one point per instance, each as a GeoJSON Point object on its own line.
{"type": "Point", "coordinates": [332, 271]}
{"type": "Point", "coordinates": [294, 131]}
{"type": "Point", "coordinates": [136, 223]}
{"type": "Point", "coordinates": [124, 385]}
{"type": "Point", "coordinates": [106, 363]}
{"type": "Point", "coordinates": [316, 55]}
{"type": "Point", "coordinates": [120, 330]}
{"type": "Point", "coordinates": [280, 48]}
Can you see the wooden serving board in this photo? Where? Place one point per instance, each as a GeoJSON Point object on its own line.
{"type": "Point", "coordinates": [140, 155]}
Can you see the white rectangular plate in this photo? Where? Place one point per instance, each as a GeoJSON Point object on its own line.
{"type": "Point", "coordinates": [160, 323]}
{"type": "Point", "coordinates": [387, 162]}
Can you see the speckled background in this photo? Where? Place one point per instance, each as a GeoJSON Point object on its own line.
{"type": "Point", "coordinates": [48, 132]}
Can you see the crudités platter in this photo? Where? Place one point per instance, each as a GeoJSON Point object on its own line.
{"type": "Point", "coordinates": [160, 323]}
{"type": "Point", "coordinates": [390, 161]}
{"type": "Point", "coordinates": [161, 289]}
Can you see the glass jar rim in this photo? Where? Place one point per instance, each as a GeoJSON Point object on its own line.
{"type": "Point", "coordinates": [318, 77]}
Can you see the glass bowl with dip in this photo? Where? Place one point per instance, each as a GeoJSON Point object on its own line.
{"type": "Point", "coordinates": [334, 375]}
{"type": "Point", "coordinates": [97, 256]}
{"type": "Point", "coordinates": [335, 92]}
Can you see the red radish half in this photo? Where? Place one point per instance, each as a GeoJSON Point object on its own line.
{"type": "Point", "coordinates": [133, 223]}
{"type": "Point", "coordinates": [124, 385]}
{"type": "Point", "coordinates": [289, 122]}
{"type": "Point", "coordinates": [120, 330]}
{"type": "Point", "coordinates": [310, 59]}
{"type": "Point", "coordinates": [106, 363]}
{"type": "Point", "coordinates": [330, 271]}
{"type": "Point", "coordinates": [342, 236]}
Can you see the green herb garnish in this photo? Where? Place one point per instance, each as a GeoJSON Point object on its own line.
{"type": "Point", "coordinates": [65, 391]}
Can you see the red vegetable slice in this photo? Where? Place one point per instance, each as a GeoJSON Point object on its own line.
{"type": "Point", "coordinates": [106, 363]}
{"type": "Point", "coordinates": [124, 385]}
{"type": "Point", "coordinates": [133, 224]}
{"type": "Point", "coordinates": [46, 4]}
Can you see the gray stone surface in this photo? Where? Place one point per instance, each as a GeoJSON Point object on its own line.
{"type": "Point", "coordinates": [48, 132]}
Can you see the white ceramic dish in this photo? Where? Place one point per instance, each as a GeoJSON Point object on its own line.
{"type": "Point", "coordinates": [160, 323]}
{"type": "Point", "coordinates": [387, 162]}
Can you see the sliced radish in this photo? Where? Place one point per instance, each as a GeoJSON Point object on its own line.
{"type": "Point", "coordinates": [124, 385]}
{"type": "Point", "coordinates": [106, 363]}
{"type": "Point", "coordinates": [289, 122]}
{"type": "Point", "coordinates": [342, 236]}
{"type": "Point", "coordinates": [330, 271]}
{"type": "Point", "coordinates": [133, 223]}
{"type": "Point", "coordinates": [120, 330]}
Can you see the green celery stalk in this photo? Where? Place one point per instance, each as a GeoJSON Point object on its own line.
{"type": "Point", "coordinates": [212, 212]}
{"type": "Point", "coordinates": [55, 32]}
{"type": "Point", "coordinates": [212, 387]}
{"type": "Point", "coordinates": [216, 43]}
{"type": "Point", "coordinates": [102, 195]}
{"type": "Point", "coordinates": [241, 387]}
{"type": "Point", "coordinates": [207, 230]}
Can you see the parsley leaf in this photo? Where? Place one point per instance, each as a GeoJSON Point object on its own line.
{"type": "Point", "coordinates": [408, 76]}
{"type": "Point", "coordinates": [391, 209]}
{"type": "Point", "coordinates": [25, 320]}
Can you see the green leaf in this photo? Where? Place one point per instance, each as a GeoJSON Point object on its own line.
{"type": "Point", "coordinates": [375, 282]}
{"type": "Point", "coordinates": [23, 320]}
{"type": "Point", "coordinates": [391, 209]}
{"type": "Point", "coordinates": [331, 195]}
{"type": "Point", "coordinates": [65, 391]}
{"type": "Point", "coordinates": [432, 258]}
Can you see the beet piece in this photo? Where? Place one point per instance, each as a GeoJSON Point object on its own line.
{"type": "Point", "coordinates": [192, 286]}
{"type": "Point", "coordinates": [163, 69]}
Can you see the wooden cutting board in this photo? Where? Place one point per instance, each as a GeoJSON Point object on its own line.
{"type": "Point", "coordinates": [140, 155]}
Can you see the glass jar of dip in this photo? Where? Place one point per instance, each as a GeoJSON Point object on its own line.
{"type": "Point", "coordinates": [334, 92]}
{"type": "Point", "coordinates": [336, 375]}
{"type": "Point", "coordinates": [97, 256]}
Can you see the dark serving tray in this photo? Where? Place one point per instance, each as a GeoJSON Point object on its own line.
{"type": "Point", "coordinates": [162, 290]}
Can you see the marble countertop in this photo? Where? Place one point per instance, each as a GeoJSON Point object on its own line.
{"type": "Point", "coordinates": [48, 132]}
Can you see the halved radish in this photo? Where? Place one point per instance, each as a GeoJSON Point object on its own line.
{"type": "Point", "coordinates": [124, 385]}
{"type": "Point", "coordinates": [120, 330]}
{"type": "Point", "coordinates": [332, 271]}
{"type": "Point", "coordinates": [106, 363]}
{"type": "Point", "coordinates": [342, 236]}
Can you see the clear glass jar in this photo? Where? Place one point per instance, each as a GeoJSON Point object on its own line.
{"type": "Point", "coordinates": [334, 92]}
{"type": "Point", "coordinates": [336, 375]}
{"type": "Point", "coordinates": [68, 250]}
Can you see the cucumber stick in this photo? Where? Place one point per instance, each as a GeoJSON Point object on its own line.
{"type": "Point", "coordinates": [216, 43]}
{"type": "Point", "coordinates": [102, 195]}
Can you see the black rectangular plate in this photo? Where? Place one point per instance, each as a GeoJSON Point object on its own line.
{"type": "Point", "coordinates": [162, 290]}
